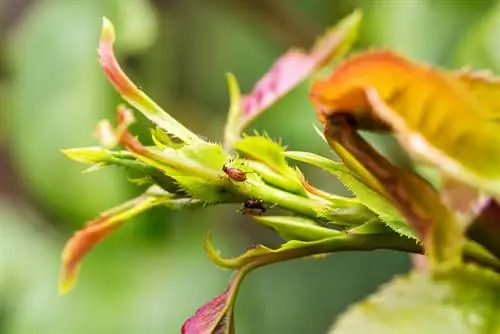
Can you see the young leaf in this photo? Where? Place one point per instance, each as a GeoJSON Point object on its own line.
{"type": "Point", "coordinates": [291, 69]}
{"type": "Point", "coordinates": [89, 155]}
{"type": "Point", "coordinates": [367, 196]}
{"type": "Point", "coordinates": [98, 229]}
{"type": "Point", "coordinates": [216, 316]}
{"type": "Point", "coordinates": [271, 154]}
{"type": "Point", "coordinates": [446, 119]}
{"type": "Point", "coordinates": [100, 158]}
{"type": "Point", "coordinates": [462, 299]}
{"type": "Point", "coordinates": [131, 93]}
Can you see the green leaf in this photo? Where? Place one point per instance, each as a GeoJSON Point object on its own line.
{"type": "Point", "coordinates": [100, 158]}
{"type": "Point", "coordinates": [458, 300]}
{"type": "Point", "coordinates": [162, 140]}
{"type": "Point", "coordinates": [374, 201]}
{"type": "Point", "coordinates": [263, 149]}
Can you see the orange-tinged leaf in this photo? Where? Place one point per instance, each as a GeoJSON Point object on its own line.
{"type": "Point", "coordinates": [113, 71]}
{"type": "Point", "coordinates": [450, 120]}
{"type": "Point", "coordinates": [98, 229]}
{"type": "Point", "coordinates": [79, 245]}
{"type": "Point", "coordinates": [131, 93]}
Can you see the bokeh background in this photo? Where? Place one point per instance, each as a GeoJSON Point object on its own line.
{"type": "Point", "coordinates": [152, 273]}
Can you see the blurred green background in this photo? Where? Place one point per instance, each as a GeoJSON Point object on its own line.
{"type": "Point", "coordinates": [152, 273]}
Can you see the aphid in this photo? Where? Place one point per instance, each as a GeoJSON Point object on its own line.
{"type": "Point", "coordinates": [253, 206]}
{"type": "Point", "coordinates": [234, 174]}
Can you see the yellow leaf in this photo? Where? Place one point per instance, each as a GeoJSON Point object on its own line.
{"type": "Point", "coordinates": [451, 120]}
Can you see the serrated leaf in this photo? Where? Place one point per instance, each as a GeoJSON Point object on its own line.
{"type": "Point", "coordinates": [264, 149]}
{"type": "Point", "coordinates": [196, 166]}
{"type": "Point", "coordinates": [295, 66]}
{"type": "Point", "coordinates": [270, 153]}
{"type": "Point", "coordinates": [367, 196]}
{"type": "Point", "coordinates": [459, 300]}
{"type": "Point", "coordinates": [429, 110]}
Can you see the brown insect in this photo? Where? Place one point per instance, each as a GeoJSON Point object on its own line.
{"type": "Point", "coordinates": [234, 174]}
{"type": "Point", "coordinates": [253, 207]}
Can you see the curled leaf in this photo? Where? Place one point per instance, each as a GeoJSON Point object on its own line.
{"type": "Point", "coordinates": [439, 229]}
{"type": "Point", "coordinates": [133, 94]}
{"type": "Point", "coordinates": [446, 119]}
{"type": "Point", "coordinates": [295, 249]}
{"type": "Point", "coordinates": [293, 68]}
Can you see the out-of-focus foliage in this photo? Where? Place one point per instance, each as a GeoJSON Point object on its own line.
{"type": "Point", "coordinates": [52, 94]}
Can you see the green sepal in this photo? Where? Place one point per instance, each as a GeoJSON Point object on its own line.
{"type": "Point", "coordinates": [296, 228]}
